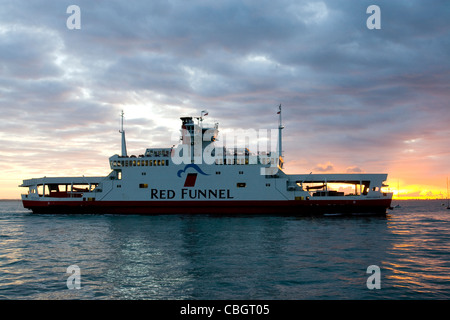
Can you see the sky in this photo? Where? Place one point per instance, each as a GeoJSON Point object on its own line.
{"type": "Point", "coordinates": [354, 99]}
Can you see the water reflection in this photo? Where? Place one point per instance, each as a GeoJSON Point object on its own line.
{"type": "Point", "coordinates": [420, 250]}
{"type": "Point", "coordinates": [236, 255]}
{"type": "Point", "coordinates": [145, 263]}
{"type": "Point", "coordinates": [211, 257]}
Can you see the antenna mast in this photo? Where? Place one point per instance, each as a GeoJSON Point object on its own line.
{"type": "Point", "coordinates": [280, 138]}
{"type": "Point", "coordinates": [124, 144]}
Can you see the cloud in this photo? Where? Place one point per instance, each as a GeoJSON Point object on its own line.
{"type": "Point", "coordinates": [354, 170]}
{"type": "Point", "coordinates": [327, 167]}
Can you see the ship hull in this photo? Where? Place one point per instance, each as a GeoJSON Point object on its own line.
{"type": "Point", "coordinates": [292, 207]}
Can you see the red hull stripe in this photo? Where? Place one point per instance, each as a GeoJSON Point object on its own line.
{"type": "Point", "coordinates": [211, 207]}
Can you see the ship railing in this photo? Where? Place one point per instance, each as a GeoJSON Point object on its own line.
{"type": "Point", "coordinates": [335, 187]}
{"type": "Point", "coordinates": [248, 158]}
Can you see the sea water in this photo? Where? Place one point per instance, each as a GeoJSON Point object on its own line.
{"type": "Point", "coordinates": [196, 257]}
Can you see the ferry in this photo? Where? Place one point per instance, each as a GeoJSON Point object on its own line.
{"type": "Point", "coordinates": [201, 176]}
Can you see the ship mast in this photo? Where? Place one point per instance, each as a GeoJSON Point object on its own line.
{"type": "Point", "coordinates": [124, 144]}
{"type": "Point", "coordinates": [280, 138]}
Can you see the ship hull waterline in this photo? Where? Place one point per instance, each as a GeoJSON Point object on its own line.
{"type": "Point", "coordinates": [291, 207]}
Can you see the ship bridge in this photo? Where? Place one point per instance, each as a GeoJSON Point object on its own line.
{"type": "Point", "coordinates": [192, 133]}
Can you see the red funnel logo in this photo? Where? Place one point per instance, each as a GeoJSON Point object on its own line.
{"type": "Point", "coordinates": [190, 180]}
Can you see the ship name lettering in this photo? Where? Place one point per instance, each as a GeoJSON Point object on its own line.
{"type": "Point", "coordinates": [162, 194]}
{"type": "Point", "coordinates": [206, 194]}
{"type": "Point", "coordinates": [165, 194]}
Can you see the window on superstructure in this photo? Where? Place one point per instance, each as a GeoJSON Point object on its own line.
{"type": "Point", "coordinates": [143, 185]}
{"type": "Point", "coordinates": [241, 185]}
{"type": "Point", "coordinates": [241, 172]}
